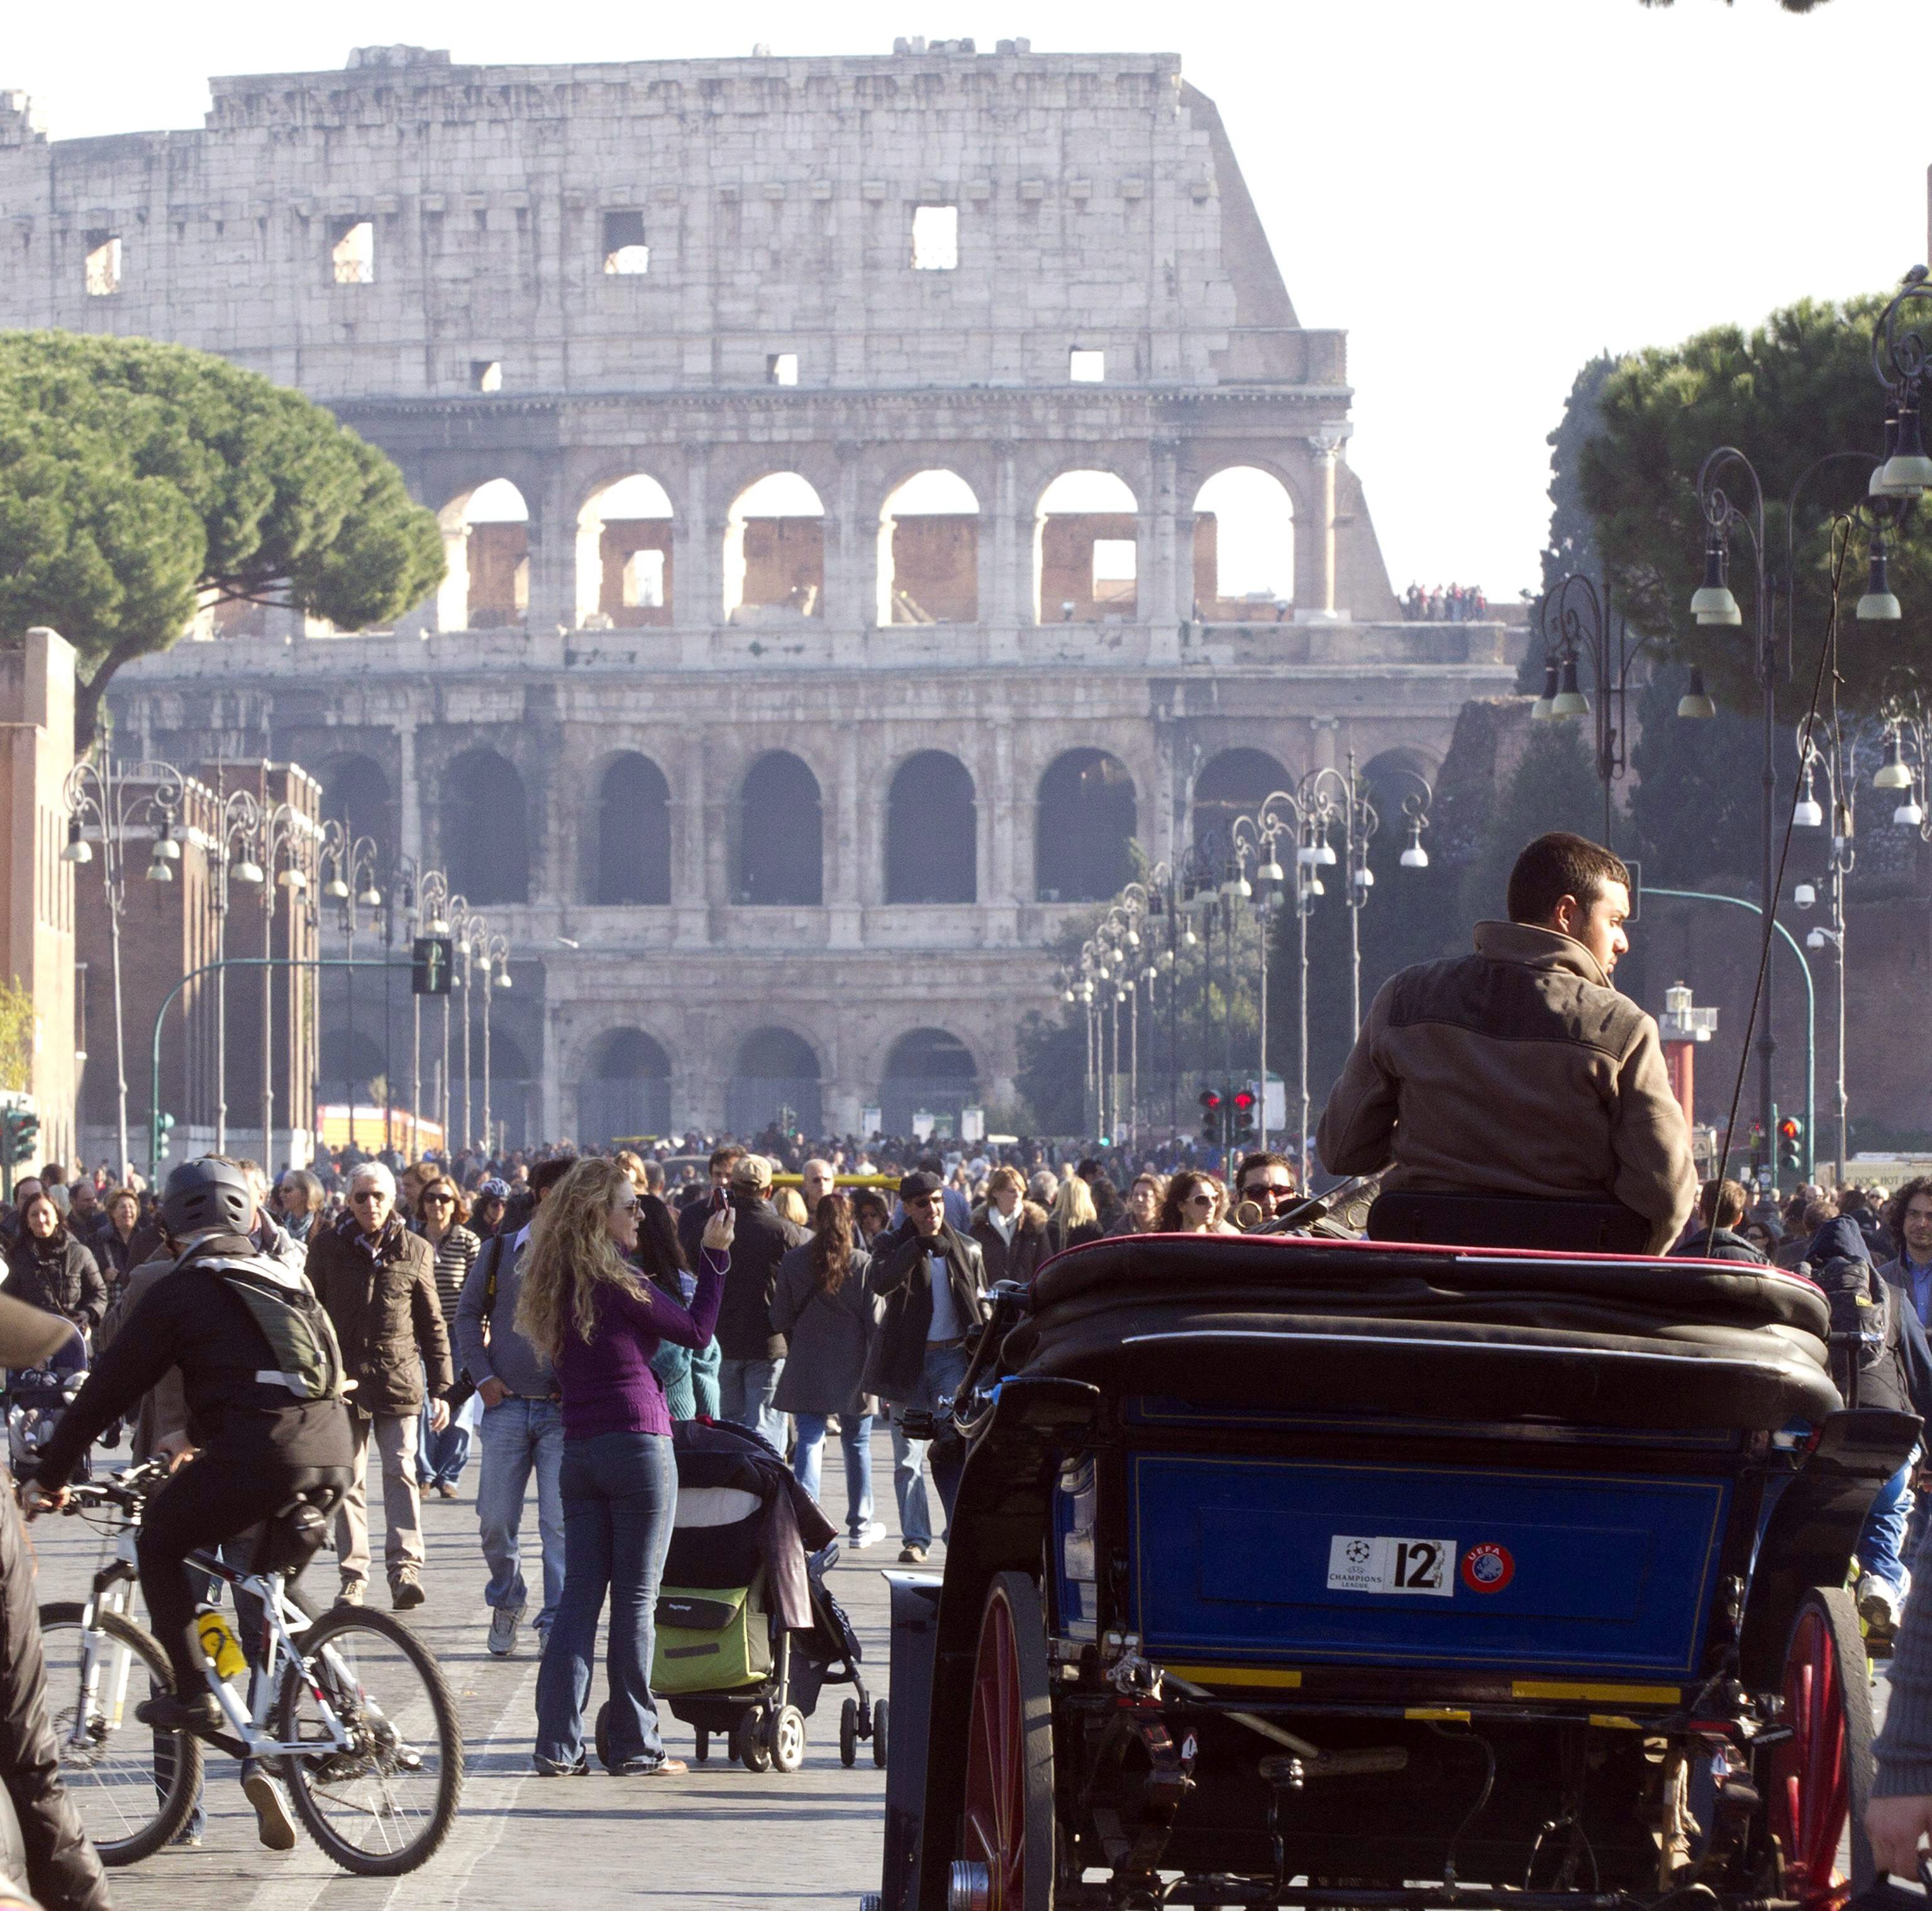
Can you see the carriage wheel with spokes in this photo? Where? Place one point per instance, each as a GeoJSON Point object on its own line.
{"type": "Point", "coordinates": [1821, 1775]}
{"type": "Point", "coordinates": [1007, 1825]}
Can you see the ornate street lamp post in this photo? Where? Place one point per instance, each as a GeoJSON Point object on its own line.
{"type": "Point", "coordinates": [110, 801]}
{"type": "Point", "coordinates": [234, 861]}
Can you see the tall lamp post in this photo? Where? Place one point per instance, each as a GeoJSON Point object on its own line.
{"type": "Point", "coordinates": [436, 903]}
{"type": "Point", "coordinates": [234, 862]}
{"type": "Point", "coordinates": [351, 886]}
{"type": "Point", "coordinates": [288, 845]}
{"type": "Point", "coordinates": [495, 950]}
{"type": "Point", "coordinates": [111, 801]}
{"type": "Point", "coordinates": [1891, 485]}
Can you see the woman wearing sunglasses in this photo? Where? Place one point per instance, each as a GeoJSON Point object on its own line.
{"type": "Point", "coordinates": [584, 1306]}
{"type": "Point", "coordinates": [1193, 1205]}
{"type": "Point", "coordinates": [441, 1216]}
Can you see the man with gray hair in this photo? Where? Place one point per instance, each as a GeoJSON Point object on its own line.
{"type": "Point", "coordinates": [378, 1282]}
{"type": "Point", "coordinates": [818, 1177]}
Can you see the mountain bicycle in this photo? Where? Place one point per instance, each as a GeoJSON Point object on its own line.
{"type": "Point", "coordinates": [347, 1707]}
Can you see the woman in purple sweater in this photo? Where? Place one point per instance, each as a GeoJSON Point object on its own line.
{"type": "Point", "coordinates": [601, 1325]}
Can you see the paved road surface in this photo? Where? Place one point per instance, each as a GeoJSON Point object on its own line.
{"type": "Point", "coordinates": [721, 1839]}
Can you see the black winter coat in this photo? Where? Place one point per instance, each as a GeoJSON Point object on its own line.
{"type": "Point", "coordinates": [764, 1239]}
{"type": "Point", "coordinates": [1019, 1262]}
{"type": "Point", "coordinates": [895, 1364]}
{"type": "Point", "coordinates": [386, 1313]}
{"type": "Point", "coordinates": [1719, 1244]}
{"type": "Point", "coordinates": [59, 1276]}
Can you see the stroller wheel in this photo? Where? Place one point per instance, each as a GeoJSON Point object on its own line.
{"type": "Point", "coordinates": [879, 1733]}
{"type": "Point", "coordinates": [848, 1733]}
{"type": "Point", "coordinates": [787, 1737]}
{"type": "Point", "coordinates": [748, 1741]}
{"type": "Point", "coordinates": [701, 1750]}
{"type": "Point", "coordinates": [603, 1734]}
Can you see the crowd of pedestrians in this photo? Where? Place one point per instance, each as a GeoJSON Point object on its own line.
{"type": "Point", "coordinates": [1460, 603]}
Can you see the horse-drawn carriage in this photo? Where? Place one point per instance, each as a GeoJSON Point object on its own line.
{"type": "Point", "coordinates": [1289, 1571]}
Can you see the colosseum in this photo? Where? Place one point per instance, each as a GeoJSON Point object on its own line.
{"type": "Point", "coordinates": [841, 464]}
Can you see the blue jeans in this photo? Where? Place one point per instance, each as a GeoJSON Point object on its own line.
{"type": "Point", "coordinates": [1881, 1545]}
{"type": "Point", "coordinates": [517, 1436]}
{"type": "Point", "coordinates": [441, 1457]}
{"type": "Point", "coordinates": [945, 1368]}
{"type": "Point", "coordinates": [620, 1497]}
{"type": "Point", "coordinates": [855, 1436]}
{"type": "Point", "coordinates": [744, 1390]}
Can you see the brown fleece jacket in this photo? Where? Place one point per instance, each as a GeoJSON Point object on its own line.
{"type": "Point", "coordinates": [1518, 1070]}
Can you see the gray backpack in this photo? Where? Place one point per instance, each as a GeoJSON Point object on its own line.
{"type": "Point", "coordinates": [308, 1359]}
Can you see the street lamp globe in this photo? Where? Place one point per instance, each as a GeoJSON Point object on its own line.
{"type": "Point", "coordinates": [1696, 701]}
{"type": "Point", "coordinates": [78, 849]}
{"type": "Point", "coordinates": [371, 897]}
{"type": "Point", "coordinates": [1415, 857]}
{"type": "Point", "coordinates": [1711, 602]}
{"type": "Point", "coordinates": [1544, 707]}
{"type": "Point", "coordinates": [1908, 471]}
{"type": "Point", "coordinates": [1804, 895]}
{"type": "Point", "coordinates": [1910, 814]}
{"type": "Point", "coordinates": [502, 979]}
{"type": "Point", "coordinates": [1816, 939]}
{"type": "Point", "coordinates": [1808, 813]}
{"type": "Point", "coordinates": [248, 871]}
{"type": "Point", "coordinates": [1892, 773]}
{"type": "Point", "coordinates": [1569, 700]}
{"type": "Point", "coordinates": [1878, 605]}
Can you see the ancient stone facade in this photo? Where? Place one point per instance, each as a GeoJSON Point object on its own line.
{"type": "Point", "coordinates": [778, 793]}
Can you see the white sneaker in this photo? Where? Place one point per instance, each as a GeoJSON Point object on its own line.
{"type": "Point", "coordinates": [273, 1825]}
{"type": "Point", "coordinates": [504, 1621]}
{"type": "Point", "coordinates": [870, 1533]}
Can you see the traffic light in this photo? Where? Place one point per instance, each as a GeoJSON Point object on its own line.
{"type": "Point", "coordinates": [1242, 1121]}
{"type": "Point", "coordinates": [1211, 1114]}
{"type": "Point", "coordinates": [19, 1130]}
{"type": "Point", "coordinates": [1791, 1144]}
{"type": "Point", "coordinates": [164, 1125]}
{"type": "Point", "coordinates": [432, 964]}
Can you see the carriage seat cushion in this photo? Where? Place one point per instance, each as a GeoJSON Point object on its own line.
{"type": "Point", "coordinates": [1454, 1333]}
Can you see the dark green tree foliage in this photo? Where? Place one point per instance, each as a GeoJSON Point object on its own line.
{"type": "Point", "coordinates": [1694, 797]}
{"type": "Point", "coordinates": [1799, 386]}
{"type": "Point", "coordinates": [139, 480]}
{"type": "Point", "coordinates": [1573, 539]}
{"type": "Point", "coordinates": [1554, 787]}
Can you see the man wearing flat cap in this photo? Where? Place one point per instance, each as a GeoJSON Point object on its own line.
{"type": "Point", "coordinates": [931, 1283]}
{"type": "Point", "coordinates": [752, 1352]}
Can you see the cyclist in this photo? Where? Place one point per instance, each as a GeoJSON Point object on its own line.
{"type": "Point", "coordinates": [260, 1441]}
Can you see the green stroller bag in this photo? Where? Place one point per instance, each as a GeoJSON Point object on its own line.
{"type": "Point", "coordinates": [711, 1640]}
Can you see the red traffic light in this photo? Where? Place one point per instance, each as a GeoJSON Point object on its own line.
{"type": "Point", "coordinates": [1788, 1128]}
{"type": "Point", "coordinates": [1209, 1098]}
{"type": "Point", "coordinates": [1244, 1099]}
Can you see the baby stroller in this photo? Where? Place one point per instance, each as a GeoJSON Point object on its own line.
{"type": "Point", "coordinates": [36, 1398]}
{"type": "Point", "coordinates": [725, 1661]}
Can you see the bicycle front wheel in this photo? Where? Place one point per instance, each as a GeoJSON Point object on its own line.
{"type": "Point", "coordinates": [134, 1788]}
{"type": "Point", "coordinates": [381, 1805]}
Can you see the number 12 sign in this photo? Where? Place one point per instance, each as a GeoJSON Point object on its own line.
{"type": "Point", "coordinates": [1363, 1562]}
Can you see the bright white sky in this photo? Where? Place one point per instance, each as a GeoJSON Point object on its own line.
{"type": "Point", "coordinates": [1482, 192]}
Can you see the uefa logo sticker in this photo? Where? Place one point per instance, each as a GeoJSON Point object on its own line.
{"type": "Point", "coordinates": [1488, 1568]}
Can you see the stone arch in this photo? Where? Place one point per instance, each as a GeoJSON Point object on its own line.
{"type": "Point", "coordinates": [349, 1067]}
{"type": "Point", "coordinates": [774, 551]}
{"type": "Point", "coordinates": [630, 858]}
{"type": "Point", "coordinates": [781, 833]}
{"type": "Point", "coordinates": [356, 793]}
{"type": "Point", "coordinates": [486, 549]}
{"type": "Point", "coordinates": [928, 1070]}
{"type": "Point", "coordinates": [1086, 562]}
{"type": "Point", "coordinates": [485, 828]}
{"type": "Point", "coordinates": [929, 551]}
{"type": "Point", "coordinates": [1232, 783]}
{"type": "Point", "coordinates": [775, 1070]}
{"type": "Point", "coordinates": [626, 1089]}
{"type": "Point", "coordinates": [513, 1084]}
{"type": "Point", "coordinates": [1088, 818]}
{"type": "Point", "coordinates": [1243, 546]}
{"type": "Point", "coordinates": [624, 555]}
{"type": "Point", "coordinates": [931, 834]}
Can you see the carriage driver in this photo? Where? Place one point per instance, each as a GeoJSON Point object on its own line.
{"type": "Point", "coordinates": [1519, 1070]}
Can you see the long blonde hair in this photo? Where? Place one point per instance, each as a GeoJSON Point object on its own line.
{"type": "Point", "coordinates": [571, 1252]}
{"type": "Point", "coordinates": [1073, 1206]}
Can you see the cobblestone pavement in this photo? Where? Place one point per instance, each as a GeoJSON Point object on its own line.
{"type": "Point", "coordinates": [721, 1839]}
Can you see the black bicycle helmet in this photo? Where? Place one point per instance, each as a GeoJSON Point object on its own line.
{"type": "Point", "coordinates": [202, 1195]}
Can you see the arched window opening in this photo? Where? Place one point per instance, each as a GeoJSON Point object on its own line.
{"type": "Point", "coordinates": [353, 1070]}
{"type": "Point", "coordinates": [485, 828]}
{"type": "Point", "coordinates": [624, 556]}
{"type": "Point", "coordinates": [781, 834]}
{"type": "Point", "coordinates": [356, 793]}
{"type": "Point", "coordinates": [1086, 552]}
{"type": "Point", "coordinates": [775, 1083]}
{"type": "Point", "coordinates": [1233, 783]}
{"type": "Point", "coordinates": [928, 1073]}
{"type": "Point", "coordinates": [929, 551]}
{"type": "Point", "coordinates": [932, 846]}
{"type": "Point", "coordinates": [627, 1095]}
{"type": "Point", "coordinates": [633, 850]}
{"type": "Point", "coordinates": [774, 552]}
{"type": "Point", "coordinates": [1087, 819]}
{"type": "Point", "coordinates": [1243, 548]}
{"type": "Point", "coordinates": [486, 549]}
